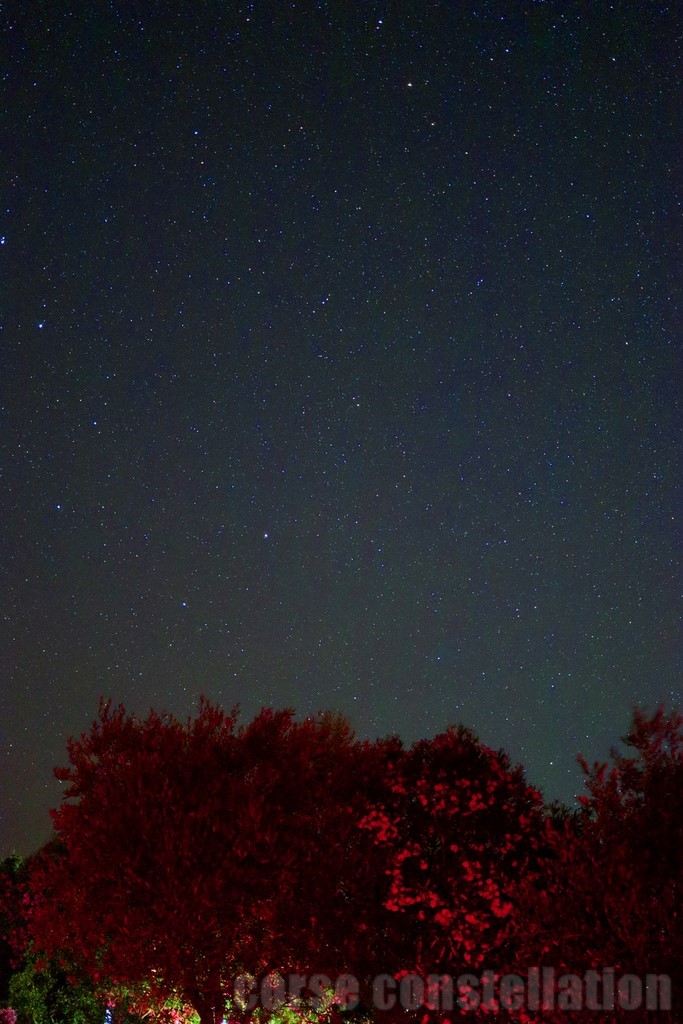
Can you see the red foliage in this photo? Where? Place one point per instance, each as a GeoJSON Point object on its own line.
{"type": "Point", "coordinates": [190, 853]}
{"type": "Point", "coordinates": [612, 894]}
{"type": "Point", "coordinates": [461, 827]}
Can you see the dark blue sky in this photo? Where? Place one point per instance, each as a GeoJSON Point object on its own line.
{"type": "Point", "coordinates": [339, 369]}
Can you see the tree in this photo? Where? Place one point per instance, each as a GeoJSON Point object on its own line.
{"type": "Point", "coordinates": [13, 937]}
{"type": "Point", "coordinates": [41, 993]}
{"type": "Point", "coordinates": [38, 991]}
{"type": "Point", "coordinates": [187, 854]}
{"type": "Point", "coordinates": [611, 896]}
{"type": "Point", "coordinates": [460, 827]}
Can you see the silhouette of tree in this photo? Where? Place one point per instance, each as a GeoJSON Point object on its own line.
{"type": "Point", "coordinates": [611, 894]}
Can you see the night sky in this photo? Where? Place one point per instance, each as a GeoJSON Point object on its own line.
{"type": "Point", "coordinates": [339, 369]}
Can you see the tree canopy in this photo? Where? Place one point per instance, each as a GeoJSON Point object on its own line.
{"type": "Point", "coordinates": [610, 893]}
{"type": "Point", "coordinates": [190, 853]}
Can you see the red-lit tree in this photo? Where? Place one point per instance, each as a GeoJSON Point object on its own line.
{"type": "Point", "coordinates": [612, 894]}
{"type": "Point", "coordinates": [37, 990]}
{"type": "Point", "coordinates": [188, 854]}
{"type": "Point", "coordinates": [462, 825]}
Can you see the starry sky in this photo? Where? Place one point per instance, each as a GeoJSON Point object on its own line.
{"type": "Point", "coordinates": [338, 369]}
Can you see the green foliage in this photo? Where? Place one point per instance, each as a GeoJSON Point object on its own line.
{"type": "Point", "coordinates": [42, 994]}
{"type": "Point", "coordinates": [321, 1009]}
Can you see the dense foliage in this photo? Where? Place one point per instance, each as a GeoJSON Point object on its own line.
{"type": "Point", "coordinates": [187, 854]}
{"type": "Point", "coordinates": [43, 993]}
{"type": "Point", "coordinates": [611, 894]}
{"type": "Point", "coordinates": [459, 828]}
{"type": "Point", "coordinates": [12, 921]}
